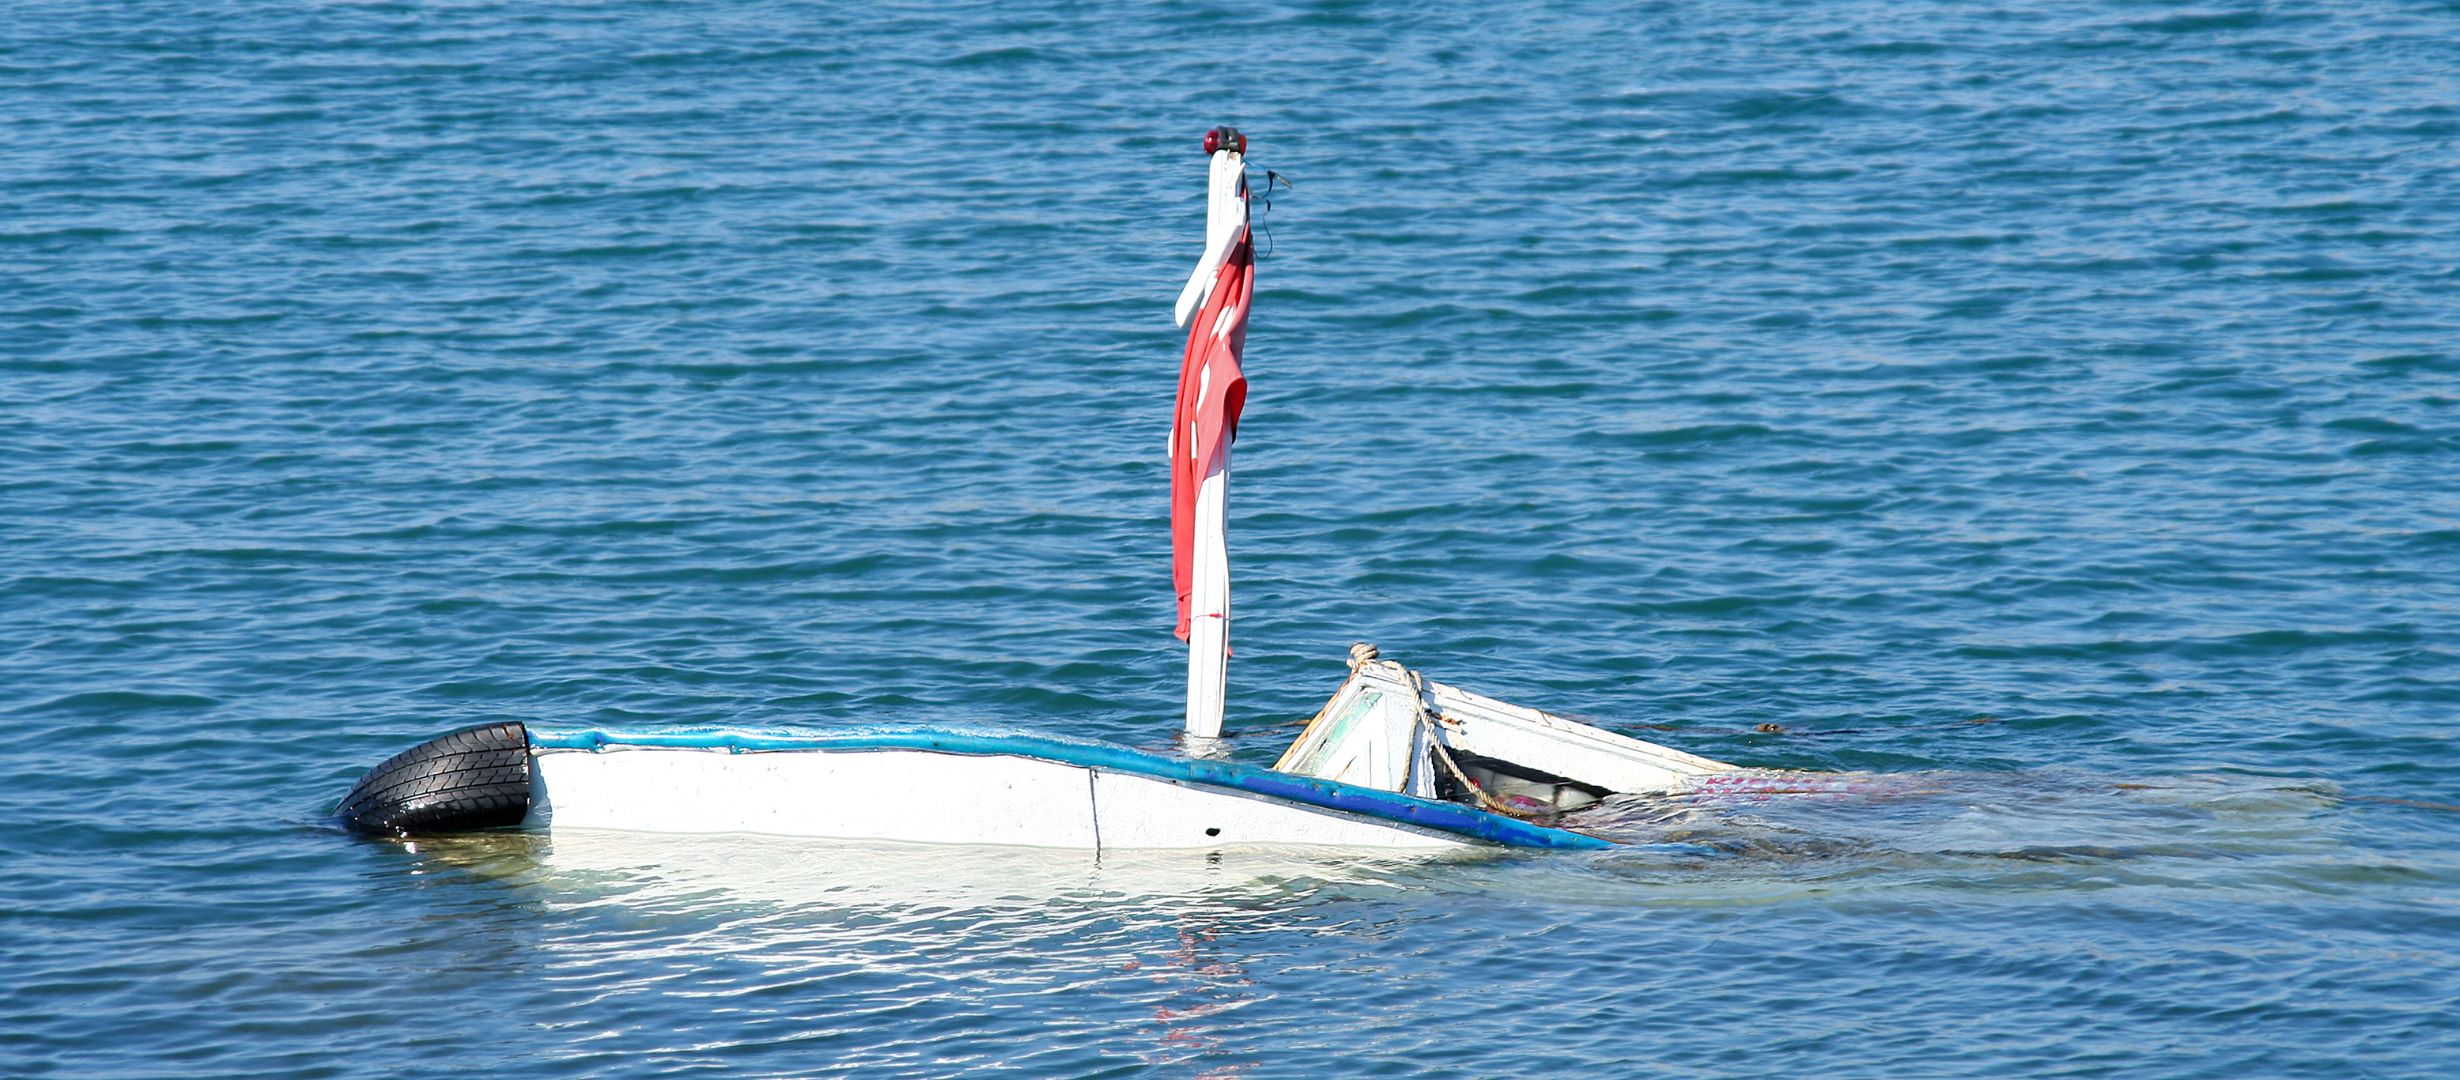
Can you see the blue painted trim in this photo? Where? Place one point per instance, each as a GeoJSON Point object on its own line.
{"type": "Point", "coordinates": [1327, 794]}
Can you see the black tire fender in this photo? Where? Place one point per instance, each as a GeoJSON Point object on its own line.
{"type": "Point", "coordinates": [474, 778]}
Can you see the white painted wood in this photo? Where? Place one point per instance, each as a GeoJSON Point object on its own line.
{"type": "Point", "coordinates": [1552, 744]}
{"type": "Point", "coordinates": [884, 795]}
{"type": "Point", "coordinates": [1208, 623]}
{"type": "Point", "coordinates": [1208, 633]}
{"type": "Point", "coordinates": [1369, 725]}
{"type": "Point", "coordinates": [918, 796]}
{"type": "Point", "coordinates": [1142, 812]}
{"type": "Point", "coordinates": [1225, 212]}
{"type": "Point", "coordinates": [1368, 735]}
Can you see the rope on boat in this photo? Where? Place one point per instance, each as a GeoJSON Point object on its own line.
{"type": "Point", "coordinates": [1363, 653]}
{"type": "Point", "coordinates": [1444, 757]}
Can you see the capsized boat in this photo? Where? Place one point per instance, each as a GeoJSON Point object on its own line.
{"type": "Point", "coordinates": [1392, 761]}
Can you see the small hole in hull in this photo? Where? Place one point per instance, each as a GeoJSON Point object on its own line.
{"type": "Point", "coordinates": [1216, 831]}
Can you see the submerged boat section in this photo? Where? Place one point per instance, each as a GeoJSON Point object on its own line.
{"type": "Point", "coordinates": [1389, 728]}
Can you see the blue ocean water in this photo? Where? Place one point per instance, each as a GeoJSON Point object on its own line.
{"type": "Point", "coordinates": [2054, 403]}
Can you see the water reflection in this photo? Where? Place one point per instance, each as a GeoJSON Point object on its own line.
{"type": "Point", "coordinates": [940, 944]}
{"type": "Point", "coordinates": [936, 960]}
{"type": "Point", "coordinates": [581, 866]}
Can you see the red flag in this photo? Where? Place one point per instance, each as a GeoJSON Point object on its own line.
{"type": "Point", "coordinates": [1211, 392]}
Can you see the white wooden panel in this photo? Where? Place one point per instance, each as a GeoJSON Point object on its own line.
{"type": "Point", "coordinates": [913, 796]}
{"type": "Point", "coordinates": [1551, 744]}
{"type": "Point", "coordinates": [1369, 736]}
{"type": "Point", "coordinates": [1144, 812]}
{"type": "Point", "coordinates": [1365, 731]}
{"type": "Point", "coordinates": [900, 795]}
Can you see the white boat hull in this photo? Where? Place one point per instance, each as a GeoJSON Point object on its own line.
{"type": "Point", "coordinates": [898, 786]}
{"type": "Point", "coordinates": [916, 796]}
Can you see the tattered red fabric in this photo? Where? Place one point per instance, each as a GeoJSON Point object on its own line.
{"type": "Point", "coordinates": [1212, 390]}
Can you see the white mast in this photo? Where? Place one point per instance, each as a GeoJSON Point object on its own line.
{"type": "Point", "coordinates": [1208, 632]}
{"type": "Point", "coordinates": [1208, 627]}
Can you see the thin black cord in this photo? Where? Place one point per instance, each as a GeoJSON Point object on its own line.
{"type": "Point", "coordinates": [1270, 178]}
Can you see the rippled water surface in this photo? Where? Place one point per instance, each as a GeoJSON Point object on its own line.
{"type": "Point", "coordinates": [2047, 408]}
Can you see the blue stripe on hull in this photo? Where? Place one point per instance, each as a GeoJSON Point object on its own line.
{"type": "Point", "coordinates": [1327, 794]}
